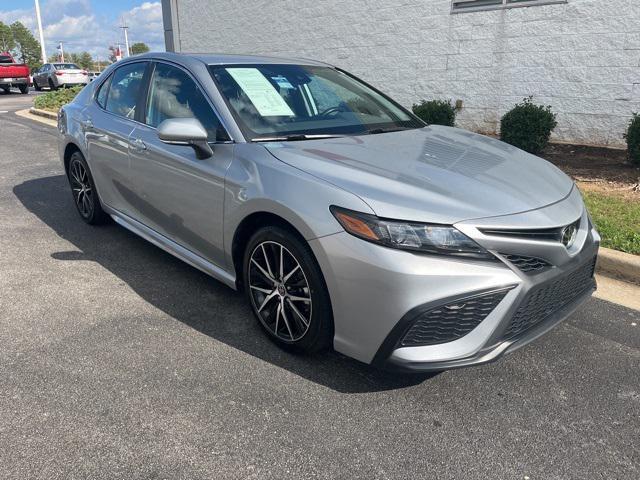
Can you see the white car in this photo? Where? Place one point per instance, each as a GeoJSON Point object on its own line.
{"type": "Point", "coordinates": [56, 75]}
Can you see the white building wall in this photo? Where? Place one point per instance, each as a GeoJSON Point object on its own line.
{"type": "Point", "coordinates": [582, 57]}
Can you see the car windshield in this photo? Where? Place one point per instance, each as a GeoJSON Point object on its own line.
{"type": "Point", "coordinates": [291, 102]}
{"type": "Point", "coordinates": [5, 59]}
{"type": "Point", "coordinates": [66, 66]}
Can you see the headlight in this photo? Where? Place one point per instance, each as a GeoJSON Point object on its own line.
{"type": "Point", "coordinates": [440, 239]}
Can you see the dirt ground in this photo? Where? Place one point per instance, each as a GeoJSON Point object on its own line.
{"type": "Point", "coordinates": [597, 169]}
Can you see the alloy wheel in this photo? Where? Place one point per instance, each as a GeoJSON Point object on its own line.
{"type": "Point", "coordinates": [279, 291]}
{"type": "Point", "coordinates": [81, 188]}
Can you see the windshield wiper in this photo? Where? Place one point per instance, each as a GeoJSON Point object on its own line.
{"type": "Point", "coordinates": [375, 131]}
{"type": "Point", "coordinates": [295, 137]}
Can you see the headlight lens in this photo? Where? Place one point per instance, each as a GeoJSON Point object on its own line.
{"type": "Point", "coordinates": [423, 237]}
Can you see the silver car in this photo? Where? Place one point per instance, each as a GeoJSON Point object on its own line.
{"type": "Point", "coordinates": [56, 75]}
{"type": "Point", "coordinates": [345, 220]}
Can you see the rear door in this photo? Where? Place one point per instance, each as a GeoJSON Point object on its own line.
{"type": "Point", "coordinates": [178, 195]}
{"type": "Point", "coordinates": [108, 124]}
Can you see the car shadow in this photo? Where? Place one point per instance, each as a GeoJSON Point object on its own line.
{"type": "Point", "coordinates": [188, 295]}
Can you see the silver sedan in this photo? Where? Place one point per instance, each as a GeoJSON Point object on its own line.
{"type": "Point", "coordinates": [347, 222]}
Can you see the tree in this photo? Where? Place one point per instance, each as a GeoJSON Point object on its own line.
{"type": "Point", "coordinates": [138, 48]}
{"type": "Point", "coordinates": [26, 45]}
{"type": "Point", "coordinates": [6, 38]}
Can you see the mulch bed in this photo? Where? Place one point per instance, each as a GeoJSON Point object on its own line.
{"type": "Point", "coordinates": [605, 167]}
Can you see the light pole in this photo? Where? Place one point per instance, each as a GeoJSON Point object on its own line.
{"type": "Point", "coordinates": [42, 50]}
{"type": "Point", "coordinates": [126, 38]}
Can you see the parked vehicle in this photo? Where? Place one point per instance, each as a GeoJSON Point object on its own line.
{"type": "Point", "coordinates": [344, 218]}
{"type": "Point", "coordinates": [13, 74]}
{"type": "Point", "coordinates": [56, 75]}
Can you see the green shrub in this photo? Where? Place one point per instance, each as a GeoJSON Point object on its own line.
{"type": "Point", "coordinates": [633, 139]}
{"type": "Point", "coordinates": [436, 112]}
{"type": "Point", "coordinates": [528, 126]}
{"type": "Point", "coordinates": [53, 100]}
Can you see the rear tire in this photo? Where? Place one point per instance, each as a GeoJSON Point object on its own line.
{"type": "Point", "coordinates": [6, 90]}
{"type": "Point", "coordinates": [83, 190]}
{"type": "Point", "coordinates": [286, 291]}
{"type": "Point", "coordinates": [24, 89]}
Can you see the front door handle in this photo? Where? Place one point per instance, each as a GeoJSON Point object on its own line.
{"type": "Point", "coordinates": [137, 145]}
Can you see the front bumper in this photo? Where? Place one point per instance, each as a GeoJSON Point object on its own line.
{"type": "Point", "coordinates": [376, 292]}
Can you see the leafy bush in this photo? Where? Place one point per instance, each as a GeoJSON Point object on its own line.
{"type": "Point", "coordinates": [436, 112]}
{"type": "Point", "coordinates": [53, 100]}
{"type": "Point", "coordinates": [633, 139]}
{"type": "Point", "coordinates": [528, 126]}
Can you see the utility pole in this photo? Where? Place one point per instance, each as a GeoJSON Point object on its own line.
{"type": "Point", "coordinates": [61, 52]}
{"type": "Point", "coordinates": [126, 37]}
{"type": "Point", "coordinates": [39, 18]}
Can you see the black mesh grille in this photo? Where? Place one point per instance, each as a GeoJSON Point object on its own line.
{"type": "Point", "coordinates": [451, 321]}
{"type": "Point", "coordinates": [547, 299]}
{"type": "Point", "coordinates": [528, 264]}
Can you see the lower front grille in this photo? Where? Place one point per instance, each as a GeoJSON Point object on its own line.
{"type": "Point", "coordinates": [451, 321]}
{"type": "Point", "coordinates": [528, 264]}
{"type": "Point", "coordinates": [545, 300]}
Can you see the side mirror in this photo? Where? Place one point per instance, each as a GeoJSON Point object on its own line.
{"type": "Point", "coordinates": [186, 131]}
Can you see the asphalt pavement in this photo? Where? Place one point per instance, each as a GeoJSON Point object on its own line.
{"type": "Point", "coordinates": [118, 361]}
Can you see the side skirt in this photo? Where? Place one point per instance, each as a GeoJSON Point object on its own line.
{"type": "Point", "coordinates": [172, 247]}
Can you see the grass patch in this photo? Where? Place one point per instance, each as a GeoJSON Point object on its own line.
{"type": "Point", "coordinates": [617, 219]}
{"type": "Point", "coordinates": [52, 101]}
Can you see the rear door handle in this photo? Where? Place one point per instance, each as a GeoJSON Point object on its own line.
{"type": "Point", "coordinates": [137, 145]}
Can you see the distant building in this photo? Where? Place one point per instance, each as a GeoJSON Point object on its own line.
{"type": "Point", "coordinates": [582, 57]}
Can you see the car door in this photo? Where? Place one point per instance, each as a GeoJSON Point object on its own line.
{"type": "Point", "coordinates": [39, 77]}
{"type": "Point", "coordinates": [108, 122]}
{"type": "Point", "coordinates": [180, 196]}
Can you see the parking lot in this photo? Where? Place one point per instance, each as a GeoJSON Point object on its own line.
{"type": "Point", "coordinates": [119, 361]}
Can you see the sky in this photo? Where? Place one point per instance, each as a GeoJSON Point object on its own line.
{"type": "Point", "coordinates": [89, 25]}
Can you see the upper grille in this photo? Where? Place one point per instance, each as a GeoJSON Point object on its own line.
{"type": "Point", "coordinates": [547, 299]}
{"type": "Point", "coordinates": [548, 234]}
{"type": "Point", "coordinates": [527, 264]}
{"type": "Point", "coordinates": [451, 321]}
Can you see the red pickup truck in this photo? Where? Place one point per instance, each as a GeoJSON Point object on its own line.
{"type": "Point", "coordinates": [13, 74]}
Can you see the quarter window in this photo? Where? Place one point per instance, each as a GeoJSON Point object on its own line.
{"type": "Point", "coordinates": [458, 6]}
{"type": "Point", "coordinates": [101, 97]}
{"type": "Point", "coordinates": [174, 94]}
{"type": "Point", "coordinates": [125, 89]}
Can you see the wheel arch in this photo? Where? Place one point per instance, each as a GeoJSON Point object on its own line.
{"type": "Point", "coordinates": [246, 228]}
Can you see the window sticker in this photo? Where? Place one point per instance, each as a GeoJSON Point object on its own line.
{"type": "Point", "coordinates": [262, 94]}
{"type": "Point", "coordinates": [283, 82]}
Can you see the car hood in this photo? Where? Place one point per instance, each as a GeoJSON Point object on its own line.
{"type": "Point", "coordinates": [433, 174]}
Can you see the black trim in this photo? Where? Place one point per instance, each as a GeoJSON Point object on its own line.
{"type": "Point", "coordinates": [392, 341]}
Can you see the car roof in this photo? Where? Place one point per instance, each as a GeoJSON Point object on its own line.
{"type": "Point", "coordinates": [230, 59]}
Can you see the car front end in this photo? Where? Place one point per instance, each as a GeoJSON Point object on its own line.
{"type": "Point", "coordinates": [413, 311]}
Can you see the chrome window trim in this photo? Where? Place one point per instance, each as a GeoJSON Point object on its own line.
{"type": "Point", "coordinates": [505, 5]}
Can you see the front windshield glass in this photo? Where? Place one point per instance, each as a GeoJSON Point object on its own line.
{"type": "Point", "coordinates": [66, 66]}
{"type": "Point", "coordinates": [277, 100]}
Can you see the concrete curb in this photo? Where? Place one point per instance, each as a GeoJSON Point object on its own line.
{"type": "Point", "coordinates": [43, 113]}
{"type": "Point", "coordinates": [623, 266]}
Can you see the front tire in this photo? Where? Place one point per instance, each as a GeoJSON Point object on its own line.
{"type": "Point", "coordinates": [24, 89]}
{"type": "Point", "coordinates": [36, 86]}
{"type": "Point", "coordinates": [83, 189]}
{"type": "Point", "coordinates": [286, 290]}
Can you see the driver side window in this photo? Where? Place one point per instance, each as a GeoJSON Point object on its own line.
{"type": "Point", "coordinates": [174, 94]}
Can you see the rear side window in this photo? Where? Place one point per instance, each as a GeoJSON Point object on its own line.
{"type": "Point", "coordinates": [174, 94]}
{"type": "Point", "coordinates": [101, 96]}
{"type": "Point", "coordinates": [126, 84]}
